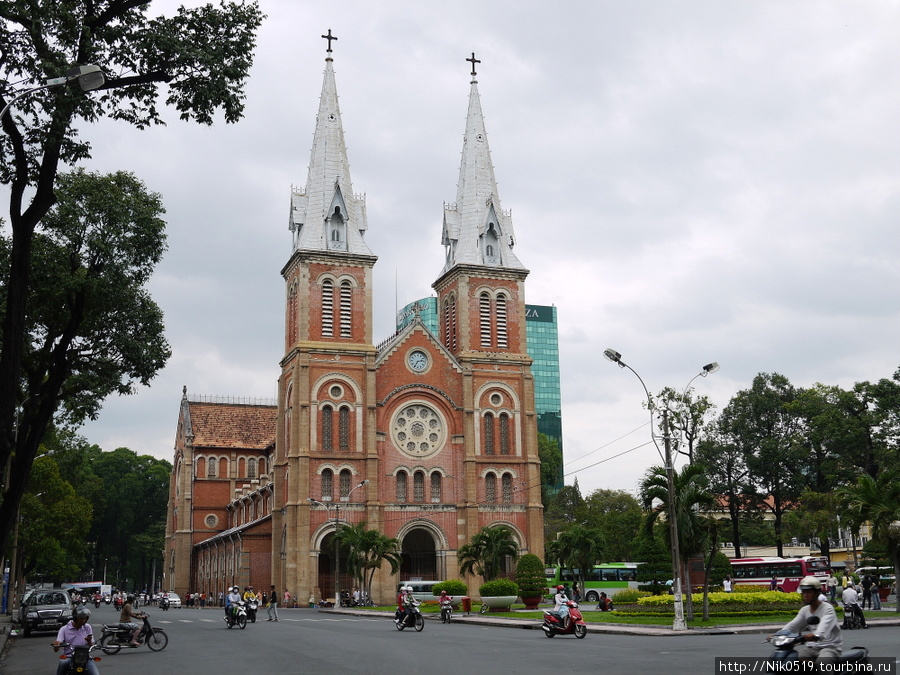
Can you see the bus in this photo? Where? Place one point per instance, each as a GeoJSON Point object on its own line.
{"type": "Point", "coordinates": [787, 571]}
{"type": "Point", "coordinates": [609, 577]}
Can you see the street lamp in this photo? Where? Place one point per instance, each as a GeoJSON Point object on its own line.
{"type": "Point", "coordinates": [89, 77]}
{"type": "Point", "coordinates": [616, 357]}
{"type": "Point", "coordinates": [337, 520]}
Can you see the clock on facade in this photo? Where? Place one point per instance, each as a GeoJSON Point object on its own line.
{"type": "Point", "coordinates": [417, 360]}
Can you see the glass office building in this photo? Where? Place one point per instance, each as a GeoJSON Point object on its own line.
{"type": "Point", "coordinates": [542, 335]}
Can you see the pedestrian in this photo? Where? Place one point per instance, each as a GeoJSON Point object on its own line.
{"type": "Point", "coordinates": [867, 591]}
{"type": "Point", "coordinates": [773, 585]}
{"type": "Point", "coordinates": [221, 599]}
{"type": "Point", "coordinates": [832, 586]}
{"type": "Point", "coordinates": [726, 583]}
{"type": "Point", "coordinates": [272, 604]}
{"type": "Point", "coordinates": [876, 597]}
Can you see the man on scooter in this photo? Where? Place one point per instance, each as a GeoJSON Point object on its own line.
{"type": "Point", "coordinates": [562, 607]}
{"type": "Point", "coordinates": [233, 597]}
{"type": "Point", "coordinates": [824, 642]}
{"type": "Point", "coordinates": [75, 633]}
{"type": "Point", "coordinates": [125, 618]}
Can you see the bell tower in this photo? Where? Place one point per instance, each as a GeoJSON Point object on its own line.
{"type": "Point", "coordinates": [327, 372]}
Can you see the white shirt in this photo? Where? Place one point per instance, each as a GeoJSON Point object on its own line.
{"type": "Point", "coordinates": [850, 596]}
{"type": "Point", "coordinates": [828, 631]}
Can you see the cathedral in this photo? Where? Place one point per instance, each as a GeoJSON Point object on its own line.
{"type": "Point", "coordinates": [425, 437]}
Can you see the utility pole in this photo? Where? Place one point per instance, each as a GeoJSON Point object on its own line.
{"type": "Point", "coordinates": [679, 622]}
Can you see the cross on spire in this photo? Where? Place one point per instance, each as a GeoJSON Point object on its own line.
{"type": "Point", "coordinates": [473, 60]}
{"type": "Point", "coordinates": [331, 37]}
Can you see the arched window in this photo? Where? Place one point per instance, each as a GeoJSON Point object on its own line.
{"type": "Point", "coordinates": [327, 427]}
{"type": "Point", "coordinates": [507, 488]}
{"type": "Point", "coordinates": [327, 308]}
{"type": "Point", "coordinates": [419, 487]}
{"type": "Point", "coordinates": [327, 485]}
{"type": "Point", "coordinates": [401, 487]}
{"type": "Point", "coordinates": [435, 487]}
{"type": "Point", "coordinates": [345, 483]}
{"type": "Point", "coordinates": [223, 467]}
{"type": "Point", "coordinates": [500, 313]}
{"type": "Point", "coordinates": [504, 434]}
{"type": "Point", "coordinates": [484, 304]}
{"type": "Point", "coordinates": [201, 467]}
{"type": "Point", "coordinates": [344, 428]}
{"type": "Point", "coordinates": [490, 488]}
{"type": "Point", "coordinates": [346, 308]}
{"type": "Point", "coordinates": [251, 468]}
{"type": "Point", "coordinates": [489, 433]}
{"type": "Point", "coordinates": [241, 465]}
{"type": "Point", "coordinates": [211, 467]}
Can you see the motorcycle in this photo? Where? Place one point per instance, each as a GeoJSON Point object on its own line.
{"type": "Point", "coordinates": [80, 657]}
{"type": "Point", "coordinates": [107, 599]}
{"type": "Point", "coordinates": [446, 612]}
{"type": "Point", "coordinates": [164, 603]}
{"type": "Point", "coordinates": [786, 641]}
{"type": "Point", "coordinates": [554, 624]}
{"type": "Point", "coordinates": [237, 616]}
{"type": "Point", "coordinates": [117, 603]}
{"type": "Point", "coordinates": [411, 619]}
{"type": "Point", "coordinates": [115, 636]}
{"type": "Point", "coordinates": [252, 606]}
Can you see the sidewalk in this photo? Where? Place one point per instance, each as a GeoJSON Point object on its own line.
{"type": "Point", "coordinates": [603, 628]}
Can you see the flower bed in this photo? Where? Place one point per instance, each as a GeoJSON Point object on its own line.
{"type": "Point", "coordinates": [720, 604]}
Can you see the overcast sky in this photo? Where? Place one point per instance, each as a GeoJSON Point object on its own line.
{"type": "Point", "coordinates": [689, 182]}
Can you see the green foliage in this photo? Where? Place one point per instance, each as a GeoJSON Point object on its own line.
{"type": "Point", "coordinates": [452, 586]}
{"type": "Point", "coordinates": [551, 467]}
{"type": "Point", "coordinates": [566, 508]}
{"type": "Point", "coordinates": [578, 548]}
{"type": "Point", "coordinates": [724, 599]}
{"type": "Point", "coordinates": [630, 595]}
{"type": "Point", "coordinates": [485, 553]}
{"type": "Point", "coordinates": [498, 587]}
{"type": "Point", "coordinates": [618, 517]}
{"type": "Point", "coordinates": [369, 550]}
{"type": "Point", "coordinates": [530, 576]}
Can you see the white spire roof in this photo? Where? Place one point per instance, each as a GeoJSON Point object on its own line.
{"type": "Point", "coordinates": [476, 230]}
{"type": "Point", "coordinates": [327, 215]}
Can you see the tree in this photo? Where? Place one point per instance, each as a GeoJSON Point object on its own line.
{"type": "Point", "coordinates": [578, 548]}
{"type": "Point", "coordinates": [813, 519]}
{"type": "Point", "coordinates": [201, 58]}
{"type": "Point", "coordinates": [618, 516]}
{"type": "Point", "coordinates": [369, 549]}
{"type": "Point", "coordinates": [877, 500]}
{"type": "Point", "coordinates": [686, 416]}
{"type": "Point", "coordinates": [485, 554]}
{"type": "Point", "coordinates": [760, 423]}
{"type": "Point", "coordinates": [566, 508]}
{"type": "Point", "coordinates": [690, 495]}
{"type": "Point", "coordinates": [726, 469]}
{"type": "Point", "coordinates": [92, 328]}
{"type": "Point", "coordinates": [551, 467]}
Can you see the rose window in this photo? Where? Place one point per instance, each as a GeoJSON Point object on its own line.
{"type": "Point", "coordinates": [418, 430]}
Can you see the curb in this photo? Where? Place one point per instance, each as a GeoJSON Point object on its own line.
{"type": "Point", "coordinates": [605, 629]}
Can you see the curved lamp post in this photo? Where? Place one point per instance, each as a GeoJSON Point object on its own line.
{"type": "Point", "coordinates": [337, 520]}
{"type": "Point", "coordinates": [616, 357]}
{"type": "Point", "coordinates": [89, 77]}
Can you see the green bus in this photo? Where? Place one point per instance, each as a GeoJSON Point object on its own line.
{"type": "Point", "coordinates": [609, 577]}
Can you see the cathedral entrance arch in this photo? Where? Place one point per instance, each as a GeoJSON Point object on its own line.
{"type": "Point", "coordinates": [420, 556]}
{"type": "Point", "coordinates": [326, 568]}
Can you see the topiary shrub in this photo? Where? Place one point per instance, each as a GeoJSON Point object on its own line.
{"type": "Point", "coordinates": [498, 587]}
{"type": "Point", "coordinates": [452, 586]}
{"type": "Point", "coordinates": [530, 576]}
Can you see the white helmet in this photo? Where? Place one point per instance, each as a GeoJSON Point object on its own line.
{"type": "Point", "coordinates": [408, 589]}
{"type": "Point", "coordinates": [810, 583]}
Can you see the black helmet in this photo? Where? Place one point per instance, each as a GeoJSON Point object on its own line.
{"type": "Point", "coordinates": [130, 598]}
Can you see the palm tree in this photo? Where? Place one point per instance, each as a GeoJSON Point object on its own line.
{"type": "Point", "coordinates": [877, 501]}
{"type": "Point", "coordinates": [690, 494]}
{"type": "Point", "coordinates": [578, 548]}
{"type": "Point", "coordinates": [484, 555]}
{"type": "Point", "coordinates": [369, 549]}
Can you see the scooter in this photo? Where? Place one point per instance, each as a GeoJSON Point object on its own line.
{"type": "Point", "coordinates": [80, 657]}
{"type": "Point", "coordinates": [237, 616]}
{"type": "Point", "coordinates": [786, 642]}
{"type": "Point", "coordinates": [252, 606]}
{"type": "Point", "coordinates": [554, 624]}
{"type": "Point", "coordinates": [446, 612]}
{"type": "Point", "coordinates": [164, 603]}
{"type": "Point", "coordinates": [115, 636]}
{"type": "Point", "coordinates": [411, 619]}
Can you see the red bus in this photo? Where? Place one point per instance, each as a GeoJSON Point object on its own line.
{"type": "Point", "coordinates": [787, 571]}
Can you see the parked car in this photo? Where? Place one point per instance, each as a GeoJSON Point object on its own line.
{"type": "Point", "coordinates": [174, 600]}
{"type": "Point", "coordinates": [46, 610]}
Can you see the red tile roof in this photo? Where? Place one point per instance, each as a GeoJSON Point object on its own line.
{"type": "Point", "coordinates": [227, 425]}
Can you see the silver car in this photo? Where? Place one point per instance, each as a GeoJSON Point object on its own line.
{"type": "Point", "coordinates": [45, 609]}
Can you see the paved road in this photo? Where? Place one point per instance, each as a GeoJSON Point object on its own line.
{"type": "Point", "coordinates": [308, 641]}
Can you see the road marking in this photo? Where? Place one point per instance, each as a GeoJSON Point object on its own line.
{"type": "Point", "coordinates": [185, 621]}
{"type": "Point", "coordinates": [209, 620]}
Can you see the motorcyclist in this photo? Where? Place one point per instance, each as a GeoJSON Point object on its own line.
{"type": "Point", "coordinates": [562, 605]}
{"type": "Point", "coordinates": [249, 594]}
{"type": "Point", "coordinates": [408, 602]}
{"type": "Point", "coordinates": [850, 598]}
{"type": "Point", "coordinates": [77, 632]}
{"type": "Point", "coordinates": [126, 616]}
{"type": "Point", "coordinates": [445, 602]}
{"type": "Point", "coordinates": [232, 599]}
{"type": "Point", "coordinates": [823, 642]}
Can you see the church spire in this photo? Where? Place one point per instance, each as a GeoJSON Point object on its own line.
{"type": "Point", "coordinates": [326, 215]}
{"type": "Point", "coordinates": [476, 230]}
